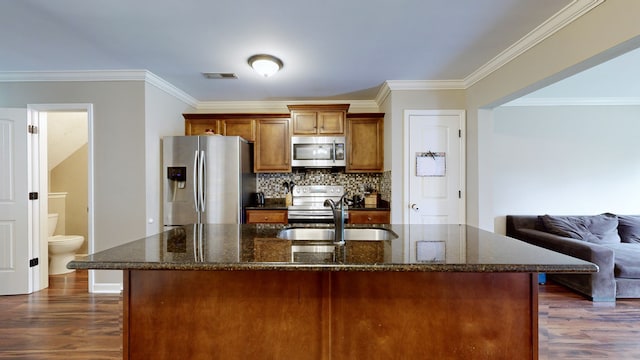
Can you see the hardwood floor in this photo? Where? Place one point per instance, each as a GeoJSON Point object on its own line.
{"type": "Point", "coordinates": [66, 322]}
{"type": "Point", "coordinates": [571, 327]}
{"type": "Point", "coordinates": [63, 321]}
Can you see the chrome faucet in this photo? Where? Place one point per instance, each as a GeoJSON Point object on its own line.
{"type": "Point", "coordinates": [338, 218]}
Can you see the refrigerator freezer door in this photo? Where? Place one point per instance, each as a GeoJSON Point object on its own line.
{"type": "Point", "coordinates": [222, 180]}
{"type": "Point", "coordinates": [179, 196]}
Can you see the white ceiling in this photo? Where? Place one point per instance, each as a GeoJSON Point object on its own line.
{"type": "Point", "coordinates": [331, 49]}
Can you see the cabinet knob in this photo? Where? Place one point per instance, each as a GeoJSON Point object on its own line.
{"type": "Point", "coordinates": [368, 218]}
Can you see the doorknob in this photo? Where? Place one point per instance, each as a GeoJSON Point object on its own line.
{"type": "Point", "coordinates": [414, 207]}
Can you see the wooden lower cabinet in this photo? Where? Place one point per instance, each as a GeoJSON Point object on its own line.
{"type": "Point", "coordinates": [266, 216]}
{"type": "Point", "coordinates": [224, 315]}
{"type": "Point", "coordinates": [266, 314]}
{"type": "Point", "coordinates": [369, 217]}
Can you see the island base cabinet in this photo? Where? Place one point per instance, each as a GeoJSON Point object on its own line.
{"type": "Point", "coordinates": [432, 315]}
{"type": "Point", "coordinates": [224, 315]}
{"type": "Point", "coordinates": [329, 315]}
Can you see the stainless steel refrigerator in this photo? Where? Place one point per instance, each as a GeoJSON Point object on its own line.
{"type": "Point", "coordinates": [206, 179]}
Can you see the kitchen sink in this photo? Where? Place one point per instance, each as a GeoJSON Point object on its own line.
{"type": "Point", "coordinates": [327, 234]}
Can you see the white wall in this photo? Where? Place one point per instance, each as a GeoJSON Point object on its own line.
{"type": "Point", "coordinates": [120, 153]}
{"type": "Point", "coordinates": [163, 117]}
{"type": "Point", "coordinates": [565, 160]}
{"type": "Point", "coordinates": [394, 107]}
{"type": "Point", "coordinates": [606, 31]}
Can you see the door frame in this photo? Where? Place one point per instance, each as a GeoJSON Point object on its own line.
{"type": "Point", "coordinates": [35, 110]}
{"type": "Point", "coordinates": [461, 114]}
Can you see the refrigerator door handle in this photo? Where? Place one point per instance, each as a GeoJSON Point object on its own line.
{"type": "Point", "coordinates": [203, 179]}
{"type": "Point", "coordinates": [195, 181]}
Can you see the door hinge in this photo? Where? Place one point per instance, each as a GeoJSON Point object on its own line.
{"type": "Point", "coordinates": [33, 262]}
{"type": "Point", "coordinates": [33, 196]}
{"type": "Point", "coordinates": [459, 133]}
{"type": "Point", "coordinates": [32, 129]}
{"type": "Point", "coordinates": [459, 194]}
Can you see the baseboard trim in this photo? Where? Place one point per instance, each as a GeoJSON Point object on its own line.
{"type": "Point", "coordinates": [106, 288]}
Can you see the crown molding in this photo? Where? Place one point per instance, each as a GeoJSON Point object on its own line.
{"type": "Point", "coordinates": [425, 84]}
{"type": "Point", "coordinates": [79, 75]}
{"type": "Point", "coordinates": [559, 20]}
{"type": "Point", "coordinates": [167, 87]}
{"type": "Point", "coordinates": [416, 85]}
{"type": "Point", "coordinates": [101, 75]}
{"type": "Point", "coordinates": [280, 106]}
{"type": "Point", "coordinates": [583, 101]}
{"type": "Point", "coordinates": [552, 25]}
{"type": "Point", "coordinates": [383, 92]}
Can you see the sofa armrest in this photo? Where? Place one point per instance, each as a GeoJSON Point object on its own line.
{"type": "Point", "coordinates": [600, 286]}
{"type": "Point", "coordinates": [597, 254]}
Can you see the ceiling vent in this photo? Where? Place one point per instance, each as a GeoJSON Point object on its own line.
{"type": "Point", "coordinates": [214, 75]}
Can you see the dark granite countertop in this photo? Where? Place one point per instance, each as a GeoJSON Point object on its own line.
{"type": "Point", "coordinates": [437, 248]}
{"type": "Point", "coordinates": [269, 204]}
{"type": "Point", "coordinates": [279, 204]}
{"type": "Point", "coordinates": [368, 207]}
{"type": "Point", "coordinates": [266, 207]}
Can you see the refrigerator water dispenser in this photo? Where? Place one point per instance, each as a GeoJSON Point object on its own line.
{"type": "Point", "coordinates": [177, 174]}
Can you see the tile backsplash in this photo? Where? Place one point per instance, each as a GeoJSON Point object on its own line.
{"type": "Point", "coordinates": [271, 184]}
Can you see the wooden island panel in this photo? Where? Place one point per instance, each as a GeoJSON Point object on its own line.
{"type": "Point", "coordinates": [225, 315]}
{"type": "Point", "coordinates": [171, 314]}
{"type": "Point", "coordinates": [434, 315]}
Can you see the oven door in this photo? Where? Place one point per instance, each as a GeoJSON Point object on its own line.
{"type": "Point", "coordinates": [309, 215]}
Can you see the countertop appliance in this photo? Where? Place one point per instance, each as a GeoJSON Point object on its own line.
{"type": "Point", "coordinates": [308, 203]}
{"type": "Point", "coordinates": [318, 151]}
{"type": "Point", "coordinates": [207, 179]}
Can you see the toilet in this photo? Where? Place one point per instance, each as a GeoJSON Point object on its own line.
{"type": "Point", "coordinates": [62, 248]}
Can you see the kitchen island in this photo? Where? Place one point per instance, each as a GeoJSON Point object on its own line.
{"type": "Point", "coordinates": [258, 292]}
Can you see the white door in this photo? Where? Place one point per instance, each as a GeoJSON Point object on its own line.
{"type": "Point", "coordinates": [435, 155]}
{"type": "Point", "coordinates": [15, 275]}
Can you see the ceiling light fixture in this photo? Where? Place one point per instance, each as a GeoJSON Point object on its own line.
{"type": "Point", "coordinates": [265, 65]}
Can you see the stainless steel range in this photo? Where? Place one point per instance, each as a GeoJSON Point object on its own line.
{"type": "Point", "coordinates": [308, 203]}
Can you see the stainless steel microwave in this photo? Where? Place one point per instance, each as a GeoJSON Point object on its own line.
{"type": "Point", "coordinates": [318, 151]}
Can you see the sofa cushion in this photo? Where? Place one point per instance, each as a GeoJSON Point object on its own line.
{"type": "Point", "coordinates": [598, 229]}
{"type": "Point", "coordinates": [629, 228]}
{"type": "Point", "coordinates": [626, 260]}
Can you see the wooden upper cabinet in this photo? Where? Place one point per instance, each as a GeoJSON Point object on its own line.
{"type": "Point", "coordinates": [199, 126]}
{"type": "Point", "coordinates": [243, 125]}
{"type": "Point", "coordinates": [365, 143]}
{"type": "Point", "coordinates": [240, 127]}
{"type": "Point", "coordinates": [318, 119]}
{"type": "Point", "coordinates": [272, 148]}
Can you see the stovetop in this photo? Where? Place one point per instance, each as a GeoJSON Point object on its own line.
{"type": "Point", "coordinates": [308, 203]}
{"type": "Point", "coordinates": [313, 196]}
